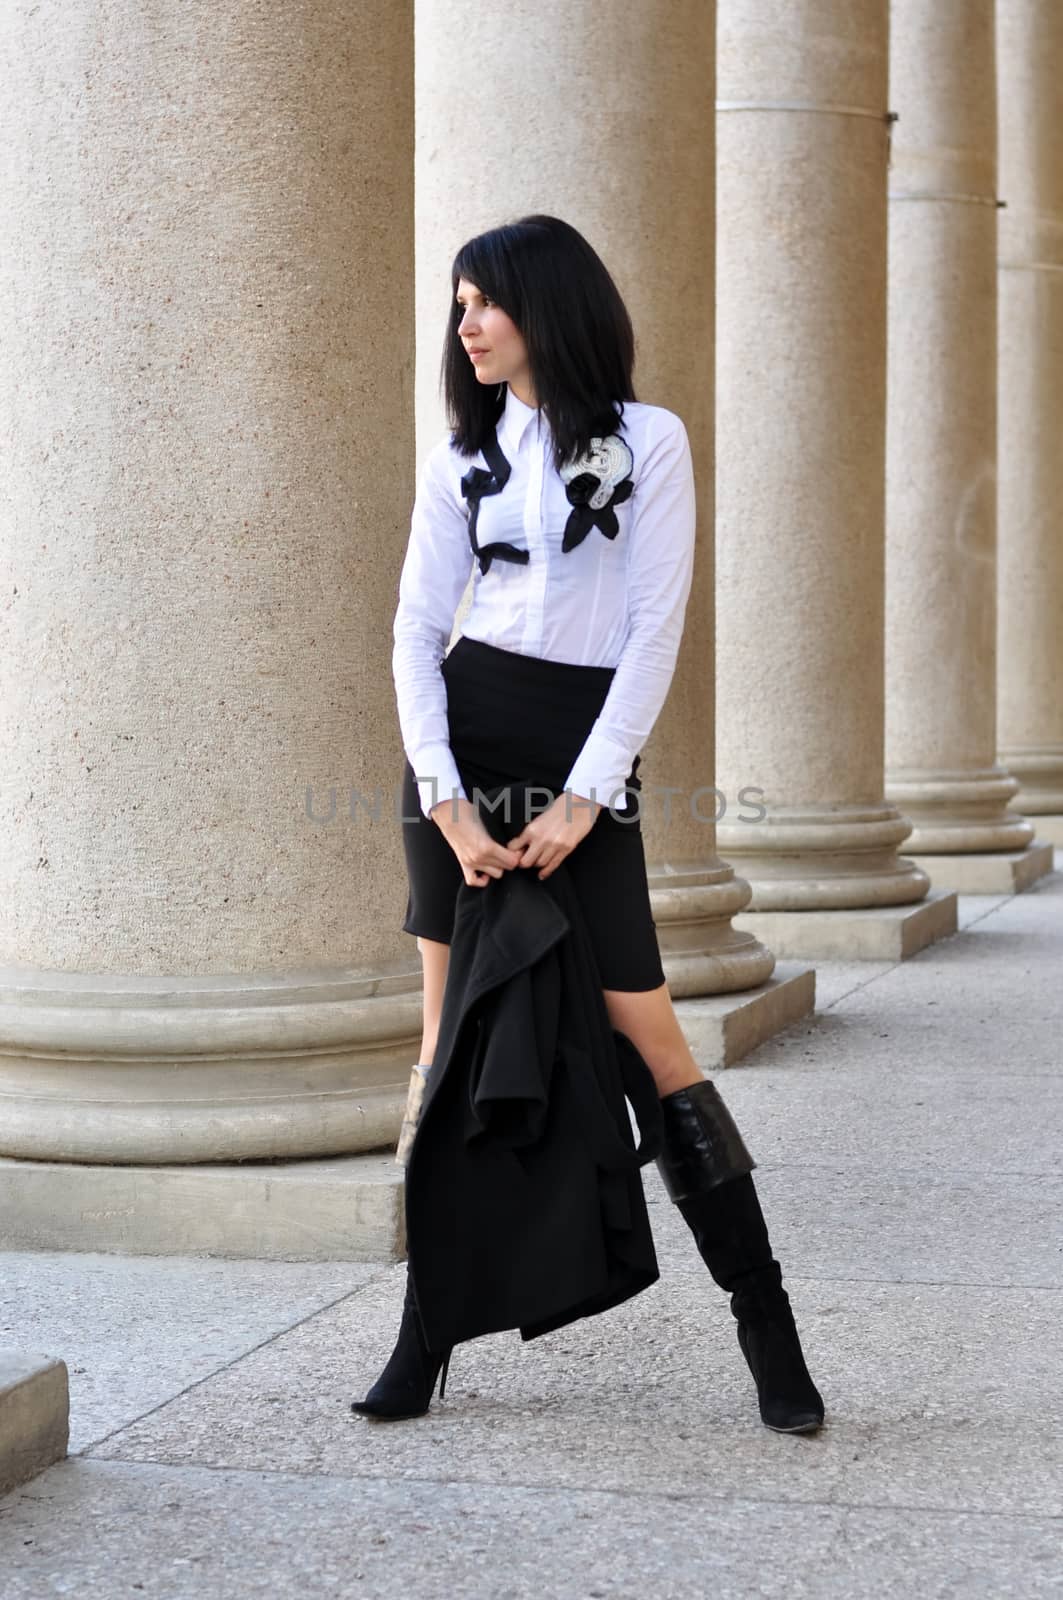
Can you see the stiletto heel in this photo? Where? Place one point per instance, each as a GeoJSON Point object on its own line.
{"type": "Point", "coordinates": [405, 1387]}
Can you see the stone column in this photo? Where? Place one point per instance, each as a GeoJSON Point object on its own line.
{"type": "Point", "coordinates": [604, 118]}
{"type": "Point", "coordinates": [206, 380]}
{"type": "Point", "coordinates": [941, 454]}
{"type": "Point", "coordinates": [802, 136]}
{"type": "Point", "coordinates": [1030, 506]}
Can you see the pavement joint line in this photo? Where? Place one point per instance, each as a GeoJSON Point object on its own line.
{"type": "Point", "coordinates": [906, 1074]}
{"type": "Point", "coordinates": [640, 1494]}
{"type": "Point", "coordinates": [190, 1388]}
{"type": "Point", "coordinates": [956, 1075]}
{"type": "Point", "coordinates": [905, 1283]}
{"type": "Point", "coordinates": [849, 1169]}
{"type": "Point", "coordinates": [990, 911]}
{"type": "Point", "coordinates": [874, 977]}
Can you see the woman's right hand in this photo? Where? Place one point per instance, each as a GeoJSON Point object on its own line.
{"type": "Point", "coordinates": [479, 855]}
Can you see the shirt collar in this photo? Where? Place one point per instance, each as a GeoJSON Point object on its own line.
{"type": "Point", "coordinates": [513, 422]}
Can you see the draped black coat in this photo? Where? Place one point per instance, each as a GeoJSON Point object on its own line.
{"type": "Point", "coordinates": [524, 1199]}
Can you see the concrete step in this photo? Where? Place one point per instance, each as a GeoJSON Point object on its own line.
{"type": "Point", "coordinates": [339, 1208]}
{"type": "Point", "coordinates": [34, 1414]}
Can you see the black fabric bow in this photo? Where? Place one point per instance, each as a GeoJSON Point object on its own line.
{"type": "Point", "coordinates": [584, 517]}
{"type": "Point", "coordinates": [474, 485]}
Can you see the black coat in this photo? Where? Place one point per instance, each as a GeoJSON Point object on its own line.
{"type": "Point", "coordinates": [524, 1200]}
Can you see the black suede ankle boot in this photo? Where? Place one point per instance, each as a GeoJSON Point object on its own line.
{"type": "Point", "coordinates": [404, 1388]}
{"type": "Point", "coordinates": [706, 1169]}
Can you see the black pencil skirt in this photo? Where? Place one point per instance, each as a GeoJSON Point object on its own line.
{"type": "Point", "coordinates": [516, 718]}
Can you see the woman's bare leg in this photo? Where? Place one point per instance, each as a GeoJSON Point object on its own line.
{"type": "Point", "coordinates": [649, 1020]}
{"type": "Point", "coordinates": [435, 958]}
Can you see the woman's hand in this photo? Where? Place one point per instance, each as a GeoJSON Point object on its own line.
{"type": "Point", "coordinates": [480, 856]}
{"type": "Point", "coordinates": [555, 832]}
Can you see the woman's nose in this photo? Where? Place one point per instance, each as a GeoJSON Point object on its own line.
{"type": "Point", "coordinates": [467, 323]}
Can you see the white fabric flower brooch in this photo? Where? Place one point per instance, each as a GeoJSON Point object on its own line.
{"type": "Point", "coordinates": [594, 484]}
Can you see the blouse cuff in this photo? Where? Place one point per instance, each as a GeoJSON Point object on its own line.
{"type": "Point", "coordinates": [601, 770]}
{"type": "Point", "coordinates": [437, 776]}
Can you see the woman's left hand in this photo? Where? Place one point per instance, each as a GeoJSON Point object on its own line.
{"type": "Point", "coordinates": [555, 832]}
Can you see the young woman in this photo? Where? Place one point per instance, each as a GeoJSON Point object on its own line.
{"type": "Point", "coordinates": [574, 505]}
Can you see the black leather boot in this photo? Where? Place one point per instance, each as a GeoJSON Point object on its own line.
{"type": "Point", "coordinates": [706, 1169]}
{"type": "Point", "coordinates": [405, 1387]}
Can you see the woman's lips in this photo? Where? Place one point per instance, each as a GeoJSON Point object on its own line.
{"type": "Point", "coordinates": [474, 355]}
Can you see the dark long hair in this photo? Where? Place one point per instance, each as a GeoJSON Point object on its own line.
{"type": "Point", "coordinates": [568, 310]}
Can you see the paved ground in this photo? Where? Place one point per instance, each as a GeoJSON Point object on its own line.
{"type": "Point", "coordinates": [909, 1140]}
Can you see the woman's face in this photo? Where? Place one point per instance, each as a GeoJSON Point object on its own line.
{"type": "Point", "coordinates": [491, 339]}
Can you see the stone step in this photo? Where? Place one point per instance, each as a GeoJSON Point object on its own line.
{"type": "Point", "coordinates": [988, 872]}
{"type": "Point", "coordinates": [867, 933]}
{"type": "Point", "coordinates": [34, 1414]}
{"type": "Point", "coordinates": [338, 1208]}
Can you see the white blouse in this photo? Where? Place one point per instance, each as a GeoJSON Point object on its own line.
{"type": "Point", "coordinates": [607, 603]}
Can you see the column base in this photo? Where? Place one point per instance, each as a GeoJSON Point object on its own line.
{"type": "Point", "coordinates": [149, 1070]}
{"type": "Point", "coordinates": [830, 860]}
{"type": "Point", "coordinates": [1040, 781]}
{"type": "Point", "coordinates": [721, 1029]}
{"type": "Point", "coordinates": [347, 1208]}
{"type": "Point", "coordinates": [1049, 828]}
{"type": "Point", "coordinates": [701, 951]}
{"type": "Point", "coordinates": [1005, 872]}
{"type": "Point", "coordinates": [876, 933]}
{"type": "Point", "coordinates": [958, 811]}
{"type": "Point", "coordinates": [34, 1415]}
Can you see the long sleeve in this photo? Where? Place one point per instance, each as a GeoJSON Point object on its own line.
{"type": "Point", "coordinates": [660, 572]}
{"type": "Point", "coordinates": [434, 574]}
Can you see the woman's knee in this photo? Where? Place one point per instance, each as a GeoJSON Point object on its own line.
{"type": "Point", "coordinates": [646, 1016]}
{"type": "Point", "coordinates": [648, 1019]}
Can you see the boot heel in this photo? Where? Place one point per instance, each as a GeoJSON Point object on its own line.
{"type": "Point", "coordinates": [443, 1372]}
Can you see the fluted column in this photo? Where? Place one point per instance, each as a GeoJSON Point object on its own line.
{"type": "Point", "coordinates": [206, 383]}
{"type": "Point", "coordinates": [941, 445]}
{"type": "Point", "coordinates": [801, 365]}
{"type": "Point", "coordinates": [1030, 86]}
{"type": "Point", "coordinates": [604, 118]}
